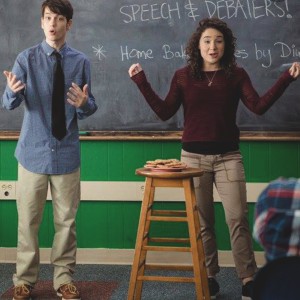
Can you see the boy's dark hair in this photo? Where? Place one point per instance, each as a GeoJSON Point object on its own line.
{"type": "Point", "coordinates": [61, 7]}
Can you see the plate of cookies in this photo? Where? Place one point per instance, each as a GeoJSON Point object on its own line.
{"type": "Point", "coordinates": [165, 165]}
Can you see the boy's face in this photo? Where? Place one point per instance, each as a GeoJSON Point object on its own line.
{"type": "Point", "coordinates": [55, 27]}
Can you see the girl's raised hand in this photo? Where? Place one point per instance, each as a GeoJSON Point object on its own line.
{"type": "Point", "coordinates": [134, 69]}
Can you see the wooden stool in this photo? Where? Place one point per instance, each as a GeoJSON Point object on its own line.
{"type": "Point", "coordinates": [190, 215]}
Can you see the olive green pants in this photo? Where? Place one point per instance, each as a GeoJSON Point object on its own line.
{"type": "Point", "coordinates": [31, 199]}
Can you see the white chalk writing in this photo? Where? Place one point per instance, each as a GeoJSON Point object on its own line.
{"type": "Point", "coordinates": [288, 51]}
{"type": "Point", "coordinates": [248, 9]}
{"type": "Point", "coordinates": [128, 53]}
{"type": "Point", "coordinates": [264, 56]}
{"type": "Point", "coordinates": [169, 53]}
{"type": "Point", "coordinates": [172, 11]}
{"type": "Point", "coordinates": [280, 49]}
{"type": "Point", "coordinates": [190, 7]}
{"type": "Point", "coordinates": [149, 12]}
{"type": "Point", "coordinates": [223, 9]}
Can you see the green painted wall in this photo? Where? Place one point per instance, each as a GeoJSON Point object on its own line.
{"type": "Point", "coordinates": [107, 224]}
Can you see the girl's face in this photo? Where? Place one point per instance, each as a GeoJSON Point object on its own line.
{"type": "Point", "coordinates": [211, 46]}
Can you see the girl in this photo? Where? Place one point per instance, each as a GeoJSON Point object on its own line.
{"type": "Point", "coordinates": [209, 88]}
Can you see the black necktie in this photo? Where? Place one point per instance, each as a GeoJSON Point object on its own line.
{"type": "Point", "coordinates": [58, 101]}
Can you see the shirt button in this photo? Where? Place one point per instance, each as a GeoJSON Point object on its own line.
{"type": "Point", "coordinates": [52, 150]}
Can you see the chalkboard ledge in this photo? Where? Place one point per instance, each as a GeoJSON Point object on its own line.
{"type": "Point", "coordinates": [167, 135]}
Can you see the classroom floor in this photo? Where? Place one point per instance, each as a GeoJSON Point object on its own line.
{"type": "Point", "coordinates": [117, 278]}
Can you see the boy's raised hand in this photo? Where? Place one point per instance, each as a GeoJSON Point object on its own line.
{"type": "Point", "coordinates": [14, 84]}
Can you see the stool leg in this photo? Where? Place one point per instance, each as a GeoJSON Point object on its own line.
{"type": "Point", "coordinates": [200, 274]}
{"type": "Point", "coordinates": [138, 266]}
{"type": "Point", "coordinates": [139, 283]}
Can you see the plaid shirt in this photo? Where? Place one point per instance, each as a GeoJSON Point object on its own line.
{"type": "Point", "coordinates": [277, 219]}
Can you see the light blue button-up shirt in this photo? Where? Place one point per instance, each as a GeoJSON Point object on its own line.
{"type": "Point", "coordinates": [37, 150]}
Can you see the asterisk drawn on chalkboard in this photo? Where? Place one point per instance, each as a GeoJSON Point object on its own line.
{"type": "Point", "coordinates": [99, 51]}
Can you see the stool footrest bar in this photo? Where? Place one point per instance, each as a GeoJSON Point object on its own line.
{"type": "Point", "coordinates": [167, 219]}
{"type": "Point", "coordinates": [166, 248]}
{"type": "Point", "coordinates": [169, 240]}
{"type": "Point", "coordinates": [164, 278]}
{"type": "Point", "coordinates": [168, 267]}
{"type": "Point", "coordinates": [169, 212]}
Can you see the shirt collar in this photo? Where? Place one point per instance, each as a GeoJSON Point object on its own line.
{"type": "Point", "coordinates": [49, 50]}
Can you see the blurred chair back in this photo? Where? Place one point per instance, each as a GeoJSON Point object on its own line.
{"type": "Point", "coordinates": [278, 280]}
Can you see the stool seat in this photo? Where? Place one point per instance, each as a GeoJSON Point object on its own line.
{"type": "Point", "coordinates": [185, 173]}
{"type": "Point", "coordinates": [190, 215]}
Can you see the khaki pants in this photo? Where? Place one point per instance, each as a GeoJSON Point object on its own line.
{"type": "Point", "coordinates": [226, 171]}
{"type": "Point", "coordinates": [31, 199]}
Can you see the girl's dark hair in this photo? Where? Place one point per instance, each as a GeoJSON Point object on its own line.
{"type": "Point", "coordinates": [61, 7]}
{"type": "Point", "coordinates": [195, 60]}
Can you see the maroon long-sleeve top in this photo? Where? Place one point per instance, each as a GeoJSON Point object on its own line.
{"type": "Point", "coordinates": [210, 111]}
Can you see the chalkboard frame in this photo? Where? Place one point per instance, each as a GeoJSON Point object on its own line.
{"type": "Point", "coordinates": [165, 136]}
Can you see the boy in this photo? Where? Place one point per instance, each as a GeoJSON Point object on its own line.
{"type": "Point", "coordinates": [48, 149]}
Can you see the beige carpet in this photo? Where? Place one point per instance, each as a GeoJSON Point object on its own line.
{"type": "Point", "coordinates": [90, 290]}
